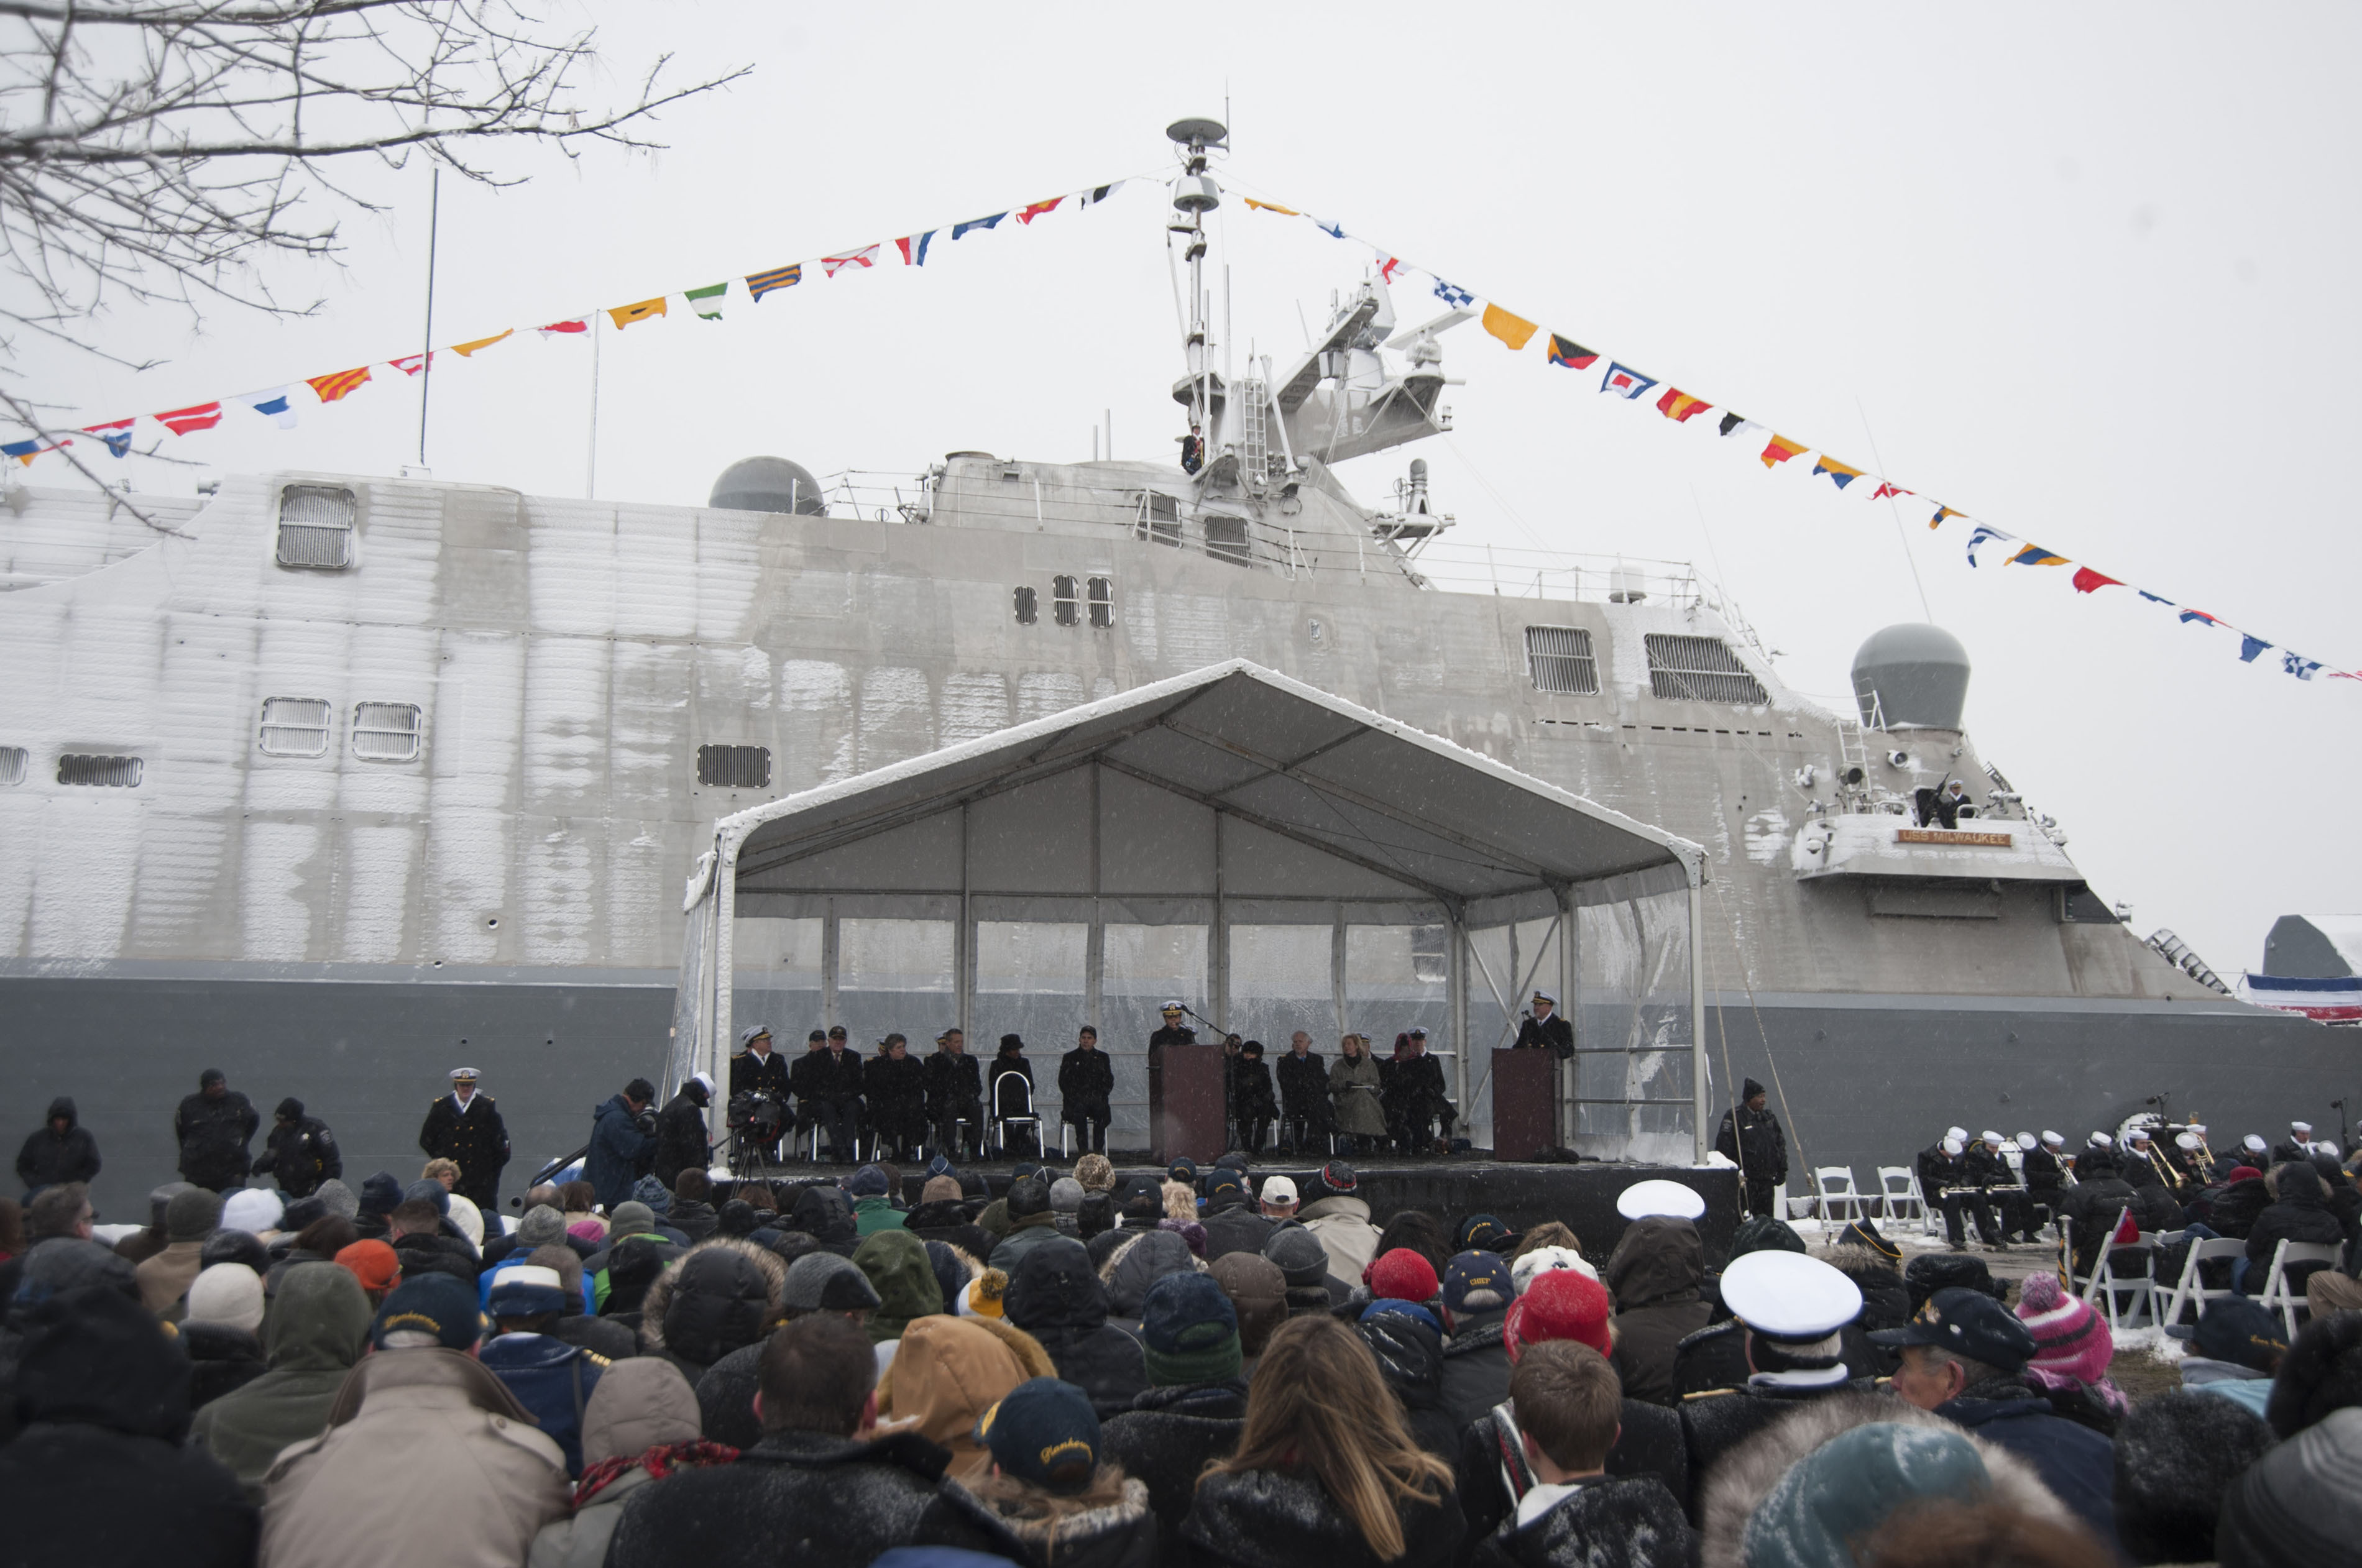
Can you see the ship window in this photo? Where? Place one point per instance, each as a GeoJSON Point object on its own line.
{"type": "Point", "coordinates": [315, 526]}
{"type": "Point", "coordinates": [1064, 607]}
{"type": "Point", "coordinates": [12, 765]}
{"type": "Point", "coordinates": [1102, 602]}
{"type": "Point", "coordinates": [1559, 659]}
{"type": "Point", "coordinates": [1226, 539]}
{"type": "Point", "coordinates": [296, 726]}
{"type": "Point", "coordinates": [1160, 519]}
{"type": "Point", "coordinates": [1028, 608]}
{"type": "Point", "coordinates": [386, 731]}
{"type": "Point", "coordinates": [734, 766]}
{"type": "Point", "coordinates": [1701, 670]}
{"type": "Point", "coordinates": [109, 772]}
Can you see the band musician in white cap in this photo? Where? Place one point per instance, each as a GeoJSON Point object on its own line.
{"type": "Point", "coordinates": [2296, 1147]}
{"type": "Point", "coordinates": [465, 1127]}
{"type": "Point", "coordinates": [1792, 1309]}
{"type": "Point", "coordinates": [1949, 1182]}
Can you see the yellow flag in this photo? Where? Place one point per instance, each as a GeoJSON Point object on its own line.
{"type": "Point", "coordinates": [463, 350]}
{"type": "Point", "coordinates": [1515, 331]}
{"type": "Point", "coordinates": [1271, 207]}
{"type": "Point", "coordinates": [626, 314]}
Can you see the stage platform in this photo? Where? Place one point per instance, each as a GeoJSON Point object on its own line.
{"type": "Point", "coordinates": [1581, 1195]}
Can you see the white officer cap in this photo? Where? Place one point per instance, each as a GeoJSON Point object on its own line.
{"type": "Point", "coordinates": [2053, 1139]}
{"type": "Point", "coordinates": [2325, 1147]}
{"type": "Point", "coordinates": [464, 1075]}
{"type": "Point", "coordinates": [1419, 1034]}
{"type": "Point", "coordinates": [1650, 1199]}
{"type": "Point", "coordinates": [1789, 1296]}
{"type": "Point", "coordinates": [1170, 1007]}
{"type": "Point", "coordinates": [2253, 1143]}
{"type": "Point", "coordinates": [1992, 1139]}
{"type": "Point", "coordinates": [1960, 1132]}
{"type": "Point", "coordinates": [2199, 1128]}
{"type": "Point", "coordinates": [704, 1078]}
{"type": "Point", "coordinates": [2188, 1141]}
{"type": "Point", "coordinates": [2027, 1140]}
{"type": "Point", "coordinates": [1953, 1145]}
{"type": "Point", "coordinates": [1541, 994]}
{"type": "Point", "coordinates": [2301, 1129]}
{"type": "Point", "coordinates": [753, 1031]}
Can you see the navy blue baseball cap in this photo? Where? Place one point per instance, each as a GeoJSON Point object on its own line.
{"type": "Point", "coordinates": [1044, 1431]}
{"type": "Point", "coordinates": [1968, 1323]}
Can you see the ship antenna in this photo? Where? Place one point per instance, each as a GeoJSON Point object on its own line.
{"type": "Point", "coordinates": [1193, 196]}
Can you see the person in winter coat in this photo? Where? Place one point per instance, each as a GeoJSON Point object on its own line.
{"type": "Point", "coordinates": [192, 1215]}
{"type": "Point", "coordinates": [2300, 1213]}
{"type": "Point", "coordinates": [218, 1333]}
{"type": "Point", "coordinates": [1340, 1220]}
{"type": "Point", "coordinates": [826, 1213]}
{"type": "Point", "coordinates": [1137, 1264]}
{"type": "Point", "coordinates": [318, 1328]}
{"type": "Point", "coordinates": [2175, 1456]}
{"type": "Point", "coordinates": [894, 1082]}
{"type": "Point", "coordinates": [1750, 1138]}
{"type": "Point", "coordinates": [1424, 1114]}
{"type": "Point", "coordinates": [1868, 1259]}
{"type": "Point", "coordinates": [828, 1085]}
{"type": "Point", "coordinates": [2093, 1205]}
{"type": "Point", "coordinates": [1964, 1357]}
{"type": "Point", "coordinates": [99, 1472]}
{"type": "Point", "coordinates": [552, 1379]}
{"type": "Point", "coordinates": [681, 1141]}
{"type": "Point", "coordinates": [1048, 1501]}
{"type": "Point", "coordinates": [873, 1206]}
{"type": "Point", "coordinates": [1253, 1105]}
{"type": "Point", "coordinates": [1653, 1276]}
{"type": "Point", "coordinates": [947, 1373]}
{"type": "Point", "coordinates": [954, 1096]}
{"type": "Point", "coordinates": [639, 1427]}
{"type": "Point", "coordinates": [301, 1151]}
{"type": "Point", "coordinates": [1032, 1222]}
{"type": "Point", "coordinates": [1408, 1344]}
{"type": "Point", "coordinates": [622, 1141]}
{"type": "Point", "coordinates": [1231, 1220]}
{"type": "Point", "coordinates": [720, 1296]}
{"type": "Point", "coordinates": [1010, 1099]}
{"type": "Point", "coordinates": [1055, 1294]}
{"type": "Point", "coordinates": [899, 1270]}
{"type": "Point", "coordinates": [1565, 1401]}
{"type": "Point", "coordinates": [1196, 1404]}
{"type": "Point", "coordinates": [1086, 1083]}
{"type": "Point", "coordinates": [1355, 1090]}
{"type": "Point", "coordinates": [60, 1151]}
{"type": "Point", "coordinates": [1303, 1077]}
{"type": "Point", "coordinates": [1477, 1291]}
{"type": "Point", "coordinates": [822, 1489]}
{"type": "Point", "coordinates": [422, 1435]}
{"type": "Point", "coordinates": [213, 1128]}
{"type": "Point", "coordinates": [1326, 1469]}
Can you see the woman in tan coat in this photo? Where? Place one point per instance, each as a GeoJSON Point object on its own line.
{"type": "Point", "coordinates": [1353, 1086]}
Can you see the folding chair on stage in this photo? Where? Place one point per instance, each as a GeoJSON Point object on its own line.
{"type": "Point", "coordinates": [1028, 1117]}
{"type": "Point", "coordinates": [1833, 1187]}
{"type": "Point", "coordinates": [2279, 1293]}
{"type": "Point", "coordinates": [1898, 1194]}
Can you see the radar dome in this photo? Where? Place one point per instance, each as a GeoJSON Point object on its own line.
{"type": "Point", "coordinates": [1912, 676]}
{"type": "Point", "coordinates": [768, 484]}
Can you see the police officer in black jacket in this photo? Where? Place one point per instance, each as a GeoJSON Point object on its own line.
{"type": "Point", "coordinates": [300, 1151]}
{"type": "Point", "coordinates": [1086, 1083]}
{"type": "Point", "coordinates": [1543, 1028]}
{"type": "Point", "coordinates": [213, 1128]}
{"type": "Point", "coordinates": [1750, 1138]}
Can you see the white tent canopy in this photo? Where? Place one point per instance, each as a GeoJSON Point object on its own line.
{"type": "Point", "coordinates": [1231, 799]}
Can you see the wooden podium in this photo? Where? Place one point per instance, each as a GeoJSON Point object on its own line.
{"type": "Point", "coordinates": [1525, 1103]}
{"type": "Point", "coordinates": [1185, 1102]}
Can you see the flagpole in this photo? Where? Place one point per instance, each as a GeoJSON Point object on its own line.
{"type": "Point", "coordinates": [426, 353]}
{"type": "Point", "coordinates": [591, 485]}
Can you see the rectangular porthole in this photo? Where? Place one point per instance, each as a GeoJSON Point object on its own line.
{"type": "Point", "coordinates": [296, 726]}
{"type": "Point", "coordinates": [1559, 659]}
{"type": "Point", "coordinates": [386, 731]}
{"type": "Point", "coordinates": [734, 766]}
{"type": "Point", "coordinates": [12, 765]}
{"type": "Point", "coordinates": [1699, 669]}
{"type": "Point", "coordinates": [315, 527]}
{"type": "Point", "coordinates": [102, 772]}
{"type": "Point", "coordinates": [1028, 609]}
{"type": "Point", "coordinates": [1102, 602]}
{"type": "Point", "coordinates": [1064, 606]}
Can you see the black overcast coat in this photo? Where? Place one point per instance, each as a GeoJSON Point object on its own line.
{"type": "Point", "coordinates": [50, 1157]}
{"type": "Point", "coordinates": [1055, 1296]}
{"type": "Point", "coordinates": [213, 1135]}
{"type": "Point", "coordinates": [805, 1497]}
{"type": "Point", "coordinates": [1166, 1439]}
{"type": "Point", "coordinates": [1282, 1518]}
{"type": "Point", "coordinates": [680, 1135]}
{"type": "Point", "coordinates": [477, 1141]}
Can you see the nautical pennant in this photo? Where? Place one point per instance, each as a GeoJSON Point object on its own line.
{"type": "Point", "coordinates": [1389, 267]}
{"type": "Point", "coordinates": [1624, 382]}
{"type": "Point", "coordinates": [1271, 207]}
{"type": "Point", "coordinates": [2089, 582]}
{"type": "Point", "coordinates": [960, 228]}
{"type": "Point", "coordinates": [624, 316]}
{"type": "Point", "coordinates": [1980, 534]}
{"type": "Point", "coordinates": [1942, 512]}
{"type": "Point", "coordinates": [26, 451]}
{"type": "Point", "coordinates": [1452, 295]}
{"type": "Point", "coordinates": [1515, 331]}
{"type": "Point", "coordinates": [464, 349]}
{"type": "Point", "coordinates": [1572, 355]}
{"type": "Point", "coordinates": [1840, 473]}
{"type": "Point", "coordinates": [2188, 616]}
{"type": "Point", "coordinates": [2300, 667]}
{"type": "Point", "coordinates": [189, 421]}
{"type": "Point", "coordinates": [411, 364]}
{"type": "Point", "coordinates": [1886, 488]}
{"type": "Point", "coordinates": [578, 323]}
{"type": "Point", "coordinates": [1336, 231]}
{"type": "Point", "coordinates": [761, 283]}
{"type": "Point", "coordinates": [915, 248]}
{"type": "Point", "coordinates": [1027, 215]}
{"type": "Point", "coordinates": [1099, 194]}
{"type": "Point", "coordinates": [1738, 425]}
{"type": "Point", "coordinates": [343, 383]}
{"type": "Point", "coordinates": [2250, 647]}
{"type": "Point", "coordinates": [707, 302]}
{"type": "Point", "coordinates": [273, 405]}
{"type": "Point", "coordinates": [1779, 451]}
{"type": "Point", "coordinates": [116, 433]}
{"type": "Point", "coordinates": [2035, 555]}
{"type": "Point", "coordinates": [865, 257]}
{"type": "Point", "coordinates": [1679, 406]}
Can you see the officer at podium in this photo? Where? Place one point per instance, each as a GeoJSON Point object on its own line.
{"type": "Point", "coordinates": [1543, 1028]}
{"type": "Point", "coordinates": [1173, 1033]}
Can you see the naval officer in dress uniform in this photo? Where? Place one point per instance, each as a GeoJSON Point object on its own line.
{"type": "Point", "coordinates": [1792, 1309]}
{"type": "Point", "coordinates": [1543, 1028]}
{"type": "Point", "coordinates": [465, 1128]}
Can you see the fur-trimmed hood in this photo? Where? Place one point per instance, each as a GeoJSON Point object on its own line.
{"type": "Point", "coordinates": [1140, 1262]}
{"type": "Point", "coordinates": [659, 1297]}
{"type": "Point", "coordinates": [1742, 1478]}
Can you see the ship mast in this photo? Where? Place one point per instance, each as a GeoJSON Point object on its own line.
{"type": "Point", "coordinates": [1193, 196]}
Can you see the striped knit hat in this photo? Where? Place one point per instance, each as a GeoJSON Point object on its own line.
{"type": "Point", "coordinates": [2074, 1341]}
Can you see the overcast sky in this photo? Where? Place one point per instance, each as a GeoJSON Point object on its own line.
{"type": "Point", "coordinates": [2083, 272]}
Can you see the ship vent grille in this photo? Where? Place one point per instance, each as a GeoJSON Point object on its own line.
{"type": "Point", "coordinates": [386, 731]}
{"type": "Point", "coordinates": [296, 726]}
{"type": "Point", "coordinates": [106, 772]}
{"type": "Point", "coordinates": [734, 766]}
{"type": "Point", "coordinates": [1064, 607]}
{"type": "Point", "coordinates": [1226, 540]}
{"type": "Point", "coordinates": [1102, 602]}
{"type": "Point", "coordinates": [1559, 659]}
{"type": "Point", "coordinates": [12, 763]}
{"type": "Point", "coordinates": [1160, 518]}
{"type": "Point", "coordinates": [1700, 670]}
{"type": "Point", "coordinates": [315, 527]}
{"type": "Point", "coordinates": [1028, 605]}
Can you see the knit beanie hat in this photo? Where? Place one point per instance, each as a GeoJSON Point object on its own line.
{"type": "Point", "coordinates": [380, 1194]}
{"type": "Point", "coordinates": [1190, 1331]}
{"type": "Point", "coordinates": [341, 1200]}
{"type": "Point", "coordinates": [940, 1189]}
{"type": "Point", "coordinates": [1258, 1294]}
{"type": "Point", "coordinates": [1559, 1304]}
{"type": "Point", "coordinates": [302, 1213]}
{"type": "Point", "coordinates": [1066, 1195]}
{"type": "Point", "coordinates": [1189, 1230]}
{"type": "Point", "coordinates": [430, 1190]}
{"type": "Point", "coordinates": [1096, 1172]}
{"type": "Point", "coordinates": [2075, 1342]}
{"type": "Point", "coordinates": [252, 1210]}
{"type": "Point", "coordinates": [986, 1297]}
{"type": "Point", "coordinates": [191, 1216]}
{"type": "Point", "coordinates": [632, 1218]}
{"type": "Point", "coordinates": [1542, 1260]}
{"type": "Point", "coordinates": [1853, 1484]}
{"type": "Point", "coordinates": [655, 1193]}
{"type": "Point", "coordinates": [824, 1282]}
{"type": "Point", "coordinates": [238, 1247]}
{"type": "Point", "coordinates": [541, 1227]}
{"type": "Point", "coordinates": [468, 1218]}
{"type": "Point", "coordinates": [228, 1293]}
{"type": "Point", "coordinates": [867, 1182]}
{"type": "Point", "coordinates": [1401, 1275]}
{"type": "Point", "coordinates": [375, 1265]}
{"type": "Point", "coordinates": [1302, 1261]}
{"type": "Point", "coordinates": [1028, 1198]}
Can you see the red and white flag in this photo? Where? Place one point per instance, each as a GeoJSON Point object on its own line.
{"type": "Point", "coordinates": [578, 323]}
{"type": "Point", "coordinates": [865, 257]}
{"type": "Point", "coordinates": [187, 421]}
{"type": "Point", "coordinates": [411, 364]}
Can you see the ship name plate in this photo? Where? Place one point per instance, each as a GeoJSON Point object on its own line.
{"type": "Point", "coordinates": [1943, 835]}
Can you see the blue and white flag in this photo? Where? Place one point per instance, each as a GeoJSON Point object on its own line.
{"type": "Point", "coordinates": [2250, 647]}
{"type": "Point", "coordinates": [1625, 382]}
{"type": "Point", "coordinates": [1985, 534]}
{"type": "Point", "coordinates": [2298, 666]}
{"type": "Point", "coordinates": [1453, 295]}
{"type": "Point", "coordinates": [272, 404]}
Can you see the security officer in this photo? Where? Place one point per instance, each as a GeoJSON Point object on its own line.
{"type": "Point", "coordinates": [1792, 1309]}
{"type": "Point", "coordinates": [213, 1128]}
{"type": "Point", "coordinates": [1751, 1139]}
{"type": "Point", "coordinates": [300, 1151]}
{"type": "Point", "coordinates": [465, 1127]}
{"type": "Point", "coordinates": [1543, 1028]}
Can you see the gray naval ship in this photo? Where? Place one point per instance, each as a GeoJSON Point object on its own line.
{"type": "Point", "coordinates": [339, 782]}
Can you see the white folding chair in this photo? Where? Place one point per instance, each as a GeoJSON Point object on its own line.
{"type": "Point", "coordinates": [1898, 1187]}
{"type": "Point", "coordinates": [1832, 1186]}
{"type": "Point", "coordinates": [2191, 1289]}
{"type": "Point", "coordinates": [1029, 1117]}
{"type": "Point", "coordinates": [2102, 1286]}
{"type": "Point", "coordinates": [2275, 1294]}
